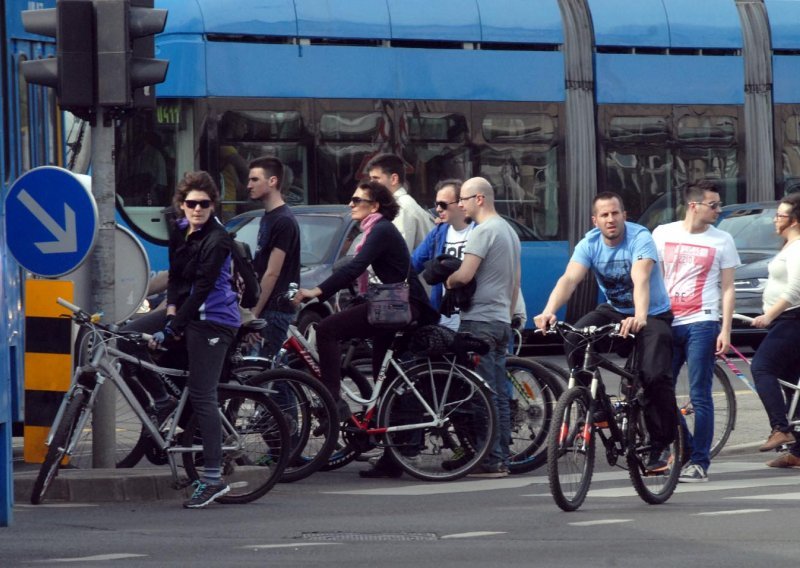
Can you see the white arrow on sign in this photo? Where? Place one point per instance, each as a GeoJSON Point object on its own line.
{"type": "Point", "coordinates": [66, 238]}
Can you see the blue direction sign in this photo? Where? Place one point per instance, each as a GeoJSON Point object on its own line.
{"type": "Point", "coordinates": [51, 221]}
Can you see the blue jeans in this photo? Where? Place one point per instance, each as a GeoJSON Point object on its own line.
{"type": "Point", "coordinates": [275, 332]}
{"type": "Point", "coordinates": [777, 357]}
{"type": "Point", "coordinates": [493, 370]}
{"type": "Point", "coordinates": [695, 344]}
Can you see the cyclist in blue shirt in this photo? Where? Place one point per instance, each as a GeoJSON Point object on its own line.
{"type": "Point", "coordinates": [623, 257]}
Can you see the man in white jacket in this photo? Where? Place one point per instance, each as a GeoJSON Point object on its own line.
{"type": "Point", "coordinates": [413, 222]}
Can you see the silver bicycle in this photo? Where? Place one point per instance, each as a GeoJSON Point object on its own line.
{"type": "Point", "coordinates": [255, 442]}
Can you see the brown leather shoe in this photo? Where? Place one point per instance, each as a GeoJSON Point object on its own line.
{"type": "Point", "coordinates": [776, 440]}
{"type": "Point", "coordinates": [785, 460]}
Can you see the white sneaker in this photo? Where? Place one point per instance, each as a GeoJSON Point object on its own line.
{"type": "Point", "coordinates": [693, 473]}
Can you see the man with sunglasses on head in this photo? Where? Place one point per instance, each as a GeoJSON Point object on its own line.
{"type": "Point", "coordinates": [412, 221]}
{"type": "Point", "coordinates": [277, 255]}
{"type": "Point", "coordinates": [448, 237]}
{"type": "Point", "coordinates": [698, 262]}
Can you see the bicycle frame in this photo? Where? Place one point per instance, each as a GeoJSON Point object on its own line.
{"type": "Point", "coordinates": [297, 343]}
{"type": "Point", "coordinates": [592, 362]}
{"type": "Point", "coordinates": [103, 367]}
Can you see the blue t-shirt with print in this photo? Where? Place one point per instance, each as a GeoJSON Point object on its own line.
{"type": "Point", "coordinates": [612, 267]}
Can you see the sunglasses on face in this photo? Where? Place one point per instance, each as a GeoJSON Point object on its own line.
{"type": "Point", "coordinates": [359, 200]}
{"type": "Point", "coordinates": [203, 203]}
{"type": "Point", "coordinates": [444, 204]}
{"type": "Point", "coordinates": [712, 205]}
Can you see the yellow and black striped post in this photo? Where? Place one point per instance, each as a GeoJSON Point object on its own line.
{"type": "Point", "coordinates": [48, 360]}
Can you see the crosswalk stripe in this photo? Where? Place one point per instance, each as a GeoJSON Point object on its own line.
{"type": "Point", "coordinates": [772, 497]}
{"type": "Point", "coordinates": [734, 512]}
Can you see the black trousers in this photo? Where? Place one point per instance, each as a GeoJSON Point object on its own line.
{"type": "Point", "coordinates": [654, 353]}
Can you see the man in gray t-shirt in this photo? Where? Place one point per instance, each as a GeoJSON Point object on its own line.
{"type": "Point", "coordinates": [491, 257]}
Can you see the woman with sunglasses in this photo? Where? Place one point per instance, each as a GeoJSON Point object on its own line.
{"type": "Point", "coordinates": [200, 321]}
{"type": "Point", "coordinates": [383, 248]}
{"type": "Point", "coordinates": [777, 355]}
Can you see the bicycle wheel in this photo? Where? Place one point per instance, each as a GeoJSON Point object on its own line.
{"type": "Point", "coordinates": [464, 419]}
{"type": "Point", "coordinates": [262, 445]}
{"type": "Point", "coordinates": [130, 434]}
{"type": "Point", "coordinates": [75, 406]}
{"type": "Point", "coordinates": [570, 450]}
{"type": "Point", "coordinates": [308, 407]}
{"type": "Point", "coordinates": [358, 377]}
{"type": "Point", "coordinates": [132, 439]}
{"type": "Point", "coordinates": [653, 488]}
{"type": "Point", "coordinates": [724, 401]}
{"type": "Point", "coordinates": [534, 392]}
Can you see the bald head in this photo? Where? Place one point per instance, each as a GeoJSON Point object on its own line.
{"type": "Point", "coordinates": [479, 185]}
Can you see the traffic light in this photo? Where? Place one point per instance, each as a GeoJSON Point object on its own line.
{"type": "Point", "coordinates": [125, 30]}
{"type": "Point", "coordinates": [72, 72]}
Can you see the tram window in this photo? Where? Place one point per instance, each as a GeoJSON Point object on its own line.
{"type": "Point", "coordinates": [790, 154]}
{"type": "Point", "coordinates": [24, 142]}
{"type": "Point", "coordinates": [152, 147]}
{"type": "Point", "coordinates": [638, 130]}
{"type": "Point", "coordinates": [347, 141]}
{"type": "Point", "coordinates": [434, 147]}
{"type": "Point", "coordinates": [249, 134]}
{"type": "Point", "coordinates": [520, 160]}
{"type": "Point", "coordinates": [713, 129]}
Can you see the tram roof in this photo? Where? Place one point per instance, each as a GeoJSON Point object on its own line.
{"type": "Point", "coordinates": [512, 21]}
{"type": "Point", "coordinates": [693, 24]}
{"type": "Point", "coordinates": [784, 21]}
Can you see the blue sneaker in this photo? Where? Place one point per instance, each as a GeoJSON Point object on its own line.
{"type": "Point", "coordinates": [205, 493]}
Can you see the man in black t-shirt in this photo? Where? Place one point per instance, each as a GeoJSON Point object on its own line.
{"type": "Point", "coordinates": [277, 256]}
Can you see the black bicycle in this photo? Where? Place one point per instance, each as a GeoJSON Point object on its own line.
{"type": "Point", "coordinates": [586, 409]}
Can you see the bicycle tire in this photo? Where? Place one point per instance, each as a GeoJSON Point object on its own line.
{"type": "Point", "coordinates": [557, 370]}
{"type": "Point", "coordinates": [58, 446]}
{"type": "Point", "coordinates": [460, 399]}
{"type": "Point", "coordinates": [535, 391]}
{"type": "Point", "coordinates": [132, 438]}
{"type": "Point", "coordinates": [654, 489]}
{"type": "Point", "coordinates": [256, 466]}
{"type": "Point", "coordinates": [351, 444]}
{"type": "Point", "coordinates": [313, 430]}
{"type": "Point", "coordinates": [724, 401]}
{"type": "Point", "coordinates": [571, 450]}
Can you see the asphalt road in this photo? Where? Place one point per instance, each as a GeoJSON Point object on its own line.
{"type": "Point", "coordinates": [744, 516]}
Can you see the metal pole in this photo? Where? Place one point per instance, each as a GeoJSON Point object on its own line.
{"type": "Point", "coordinates": [102, 279]}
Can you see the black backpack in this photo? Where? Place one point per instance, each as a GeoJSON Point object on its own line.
{"type": "Point", "coordinates": [245, 280]}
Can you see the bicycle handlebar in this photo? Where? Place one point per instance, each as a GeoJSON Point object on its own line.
{"type": "Point", "coordinates": [83, 317]}
{"type": "Point", "coordinates": [745, 319]}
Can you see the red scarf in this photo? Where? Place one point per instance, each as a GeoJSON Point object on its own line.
{"type": "Point", "coordinates": [366, 227]}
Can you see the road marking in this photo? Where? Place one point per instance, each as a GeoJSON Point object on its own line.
{"type": "Point", "coordinates": [97, 558]}
{"type": "Point", "coordinates": [472, 534]}
{"type": "Point", "coordinates": [734, 512]}
{"type": "Point", "coordinates": [292, 545]}
{"type": "Point", "coordinates": [54, 505]}
{"type": "Point", "coordinates": [773, 497]}
{"type": "Point", "coordinates": [432, 488]}
{"type": "Point", "coordinates": [599, 522]}
{"type": "Point", "coordinates": [683, 488]}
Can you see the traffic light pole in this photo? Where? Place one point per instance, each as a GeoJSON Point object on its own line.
{"type": "Point", "coordinates": [102, 277]}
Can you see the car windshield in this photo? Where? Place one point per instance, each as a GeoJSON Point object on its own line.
{"type": "Point", "coordinates": [318, 233]}
{"type": "Point", "coordinates": [752, 229]}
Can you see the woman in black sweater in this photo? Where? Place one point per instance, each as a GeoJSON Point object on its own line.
{"type": "Point", "coordinates": [382, 247]}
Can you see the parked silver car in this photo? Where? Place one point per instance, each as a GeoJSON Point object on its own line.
{"type": "Point", "coordinates": [753, 231]}
{"type": "Point", "coordinates": [326, 233]}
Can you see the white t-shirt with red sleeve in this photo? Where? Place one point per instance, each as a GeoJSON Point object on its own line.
{"type": "Point", "coordinates": [692, 264]}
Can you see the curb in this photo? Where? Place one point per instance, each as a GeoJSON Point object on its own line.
{"type": "Point", "coordinates": [102, 486]}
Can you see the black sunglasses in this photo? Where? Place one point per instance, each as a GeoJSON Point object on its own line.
{"type": "Point", "coordinates": [203, 203]}
{"type": "Point", "coordinates": [444, 204]}
{"type": "Point", "coordinates": [358, 200]}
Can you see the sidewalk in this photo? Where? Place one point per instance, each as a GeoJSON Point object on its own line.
{"type": "Point", "coordinates": [147, 482]}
